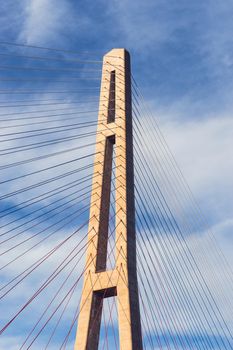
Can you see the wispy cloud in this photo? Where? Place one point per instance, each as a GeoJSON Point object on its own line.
{"type": "Point", "coordinates": [203, 150]}
{"type": "Point", "coordinates": [45, 21]}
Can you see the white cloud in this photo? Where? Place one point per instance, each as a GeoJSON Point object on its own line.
{"type": "Point", "coordinates": [178, 293]}
{"type": "Point", "coordinates": [45, 21]}
{"type": "Point", "coordinates": [202, 148]}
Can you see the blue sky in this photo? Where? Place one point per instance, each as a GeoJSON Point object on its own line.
{"type": "Point", "coordinates": [186, 45]}
{"type": "Point", "coordinates": [182, 59]}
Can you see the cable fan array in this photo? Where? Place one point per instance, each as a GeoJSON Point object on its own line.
{"type": "Point", "coordinates": [48, 111]}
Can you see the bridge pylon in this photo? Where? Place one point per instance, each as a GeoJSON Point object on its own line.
{"type": "Point", "coordinates": [114, 131]}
